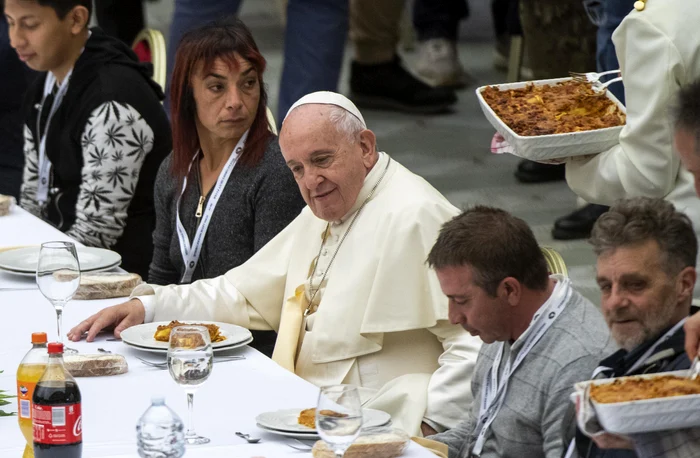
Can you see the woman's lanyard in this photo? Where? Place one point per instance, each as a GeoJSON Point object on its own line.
{"type": "Point", "coordinates": [494, 392]}
{"type": "Point", "coordinates": [42, 190]}
{"type": "Point", "coordinates": [191, 251]}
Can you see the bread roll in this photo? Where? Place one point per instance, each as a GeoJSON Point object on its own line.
{"type": "Point", "coordinates": [385, 443]}
{"type": "Point", "coordinates": [95, 365]}
{"type": "Point", "coordinates": [106, 285]}
{"type": "Point", "coordinates": [6, 203]}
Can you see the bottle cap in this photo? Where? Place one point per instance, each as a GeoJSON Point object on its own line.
{"type": "Point", "coordinates": [39, 337]}
{"type": "Point", "coordinates": [157, 400]}
{"type": "Point", "coordinates": [55, 347]}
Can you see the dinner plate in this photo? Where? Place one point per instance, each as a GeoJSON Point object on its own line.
{"type": "Point", "coordinates": [24, 260]}
{"type": "Point", "coordinates": [33, 274]}
{"type": "Point", "coordinates": [164, 351]}
{"type": "Point", "coordinates": [141, 336]}
{"type": "Point", "coordinates": [285, 421]}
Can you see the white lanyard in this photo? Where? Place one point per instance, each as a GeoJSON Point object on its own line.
{"type": "Point", "coordinates": [493, 393]}
{"type": "Point", "coordinates": [640, 362]}
{"type": "Point", "coordinates": [42, 190]}
{"type": "Point", "coordinates": [190, 252]}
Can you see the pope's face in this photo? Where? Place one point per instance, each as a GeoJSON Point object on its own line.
{"type": "Point", "coordinates": [686, 144]}
{"type": "Point", "coordinates": [41, 39]}
{"type": "Point", "coordinates": [638, 298]}
{"type": "Point", "coordinates": [328, 168]}
{"type": "Point", "coordinates": [471, 307]}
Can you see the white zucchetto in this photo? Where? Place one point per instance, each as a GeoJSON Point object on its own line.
{"type": "Point", "coordinates": [329, 98]}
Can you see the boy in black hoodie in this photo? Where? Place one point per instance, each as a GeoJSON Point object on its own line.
{"type": "Point", "coordinates": [94, 129]}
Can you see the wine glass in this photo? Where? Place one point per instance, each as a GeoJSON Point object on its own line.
{"type": "Point", "coordinates": [190, 361]}
{"type": "Point", "coordinates": [339, 417]}
{"type": "Point", "coordinates": [58, 277]}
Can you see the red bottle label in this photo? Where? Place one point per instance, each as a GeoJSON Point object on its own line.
{"type": "Point", "coordinates": [57, 424]}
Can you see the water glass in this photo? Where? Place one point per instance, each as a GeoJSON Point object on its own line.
{"type": "Point", "coordinates": [190, 361]}
{"type": "Point", "coordinates": [339, 417]}
{"type": "Point", "coordinates": [58, 277]}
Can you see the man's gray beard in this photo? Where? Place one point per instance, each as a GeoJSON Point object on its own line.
{"type": "Point", "coordinates": [653, 323]}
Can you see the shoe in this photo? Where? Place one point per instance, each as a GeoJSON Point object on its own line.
{"type": "Point", "coordinates": [438, 64]}
{"type": "Point", "coordinates": [578, 225]}
{"type": "Point", "coordinates": [534, 172]}
{"type": "Point", "coordinates": [389, 86]}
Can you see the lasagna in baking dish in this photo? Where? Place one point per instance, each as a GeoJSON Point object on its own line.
{"type": "Point", "coordinates": [635, 389]}
{"type": "Point", "coordinates": [564, 107]}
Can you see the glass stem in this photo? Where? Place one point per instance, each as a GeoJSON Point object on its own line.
{"type": "Point", "coordinates": [190, 415]}
{"type": "Point", "coordinates": [59, 321]}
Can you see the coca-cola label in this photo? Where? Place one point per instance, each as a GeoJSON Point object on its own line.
{"type": "Point", "coordinates": [57, 425]}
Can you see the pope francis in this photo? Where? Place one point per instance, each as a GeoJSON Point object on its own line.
{"type": "Point", "coordinates": [345, 285]}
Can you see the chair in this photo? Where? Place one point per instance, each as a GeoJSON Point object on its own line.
{"type": "Point", "coordinates": [271, 121]}
{"type": "Point", "coordinates": [555, 263]}
{"type": "Point", "coordinates": [149, 46]}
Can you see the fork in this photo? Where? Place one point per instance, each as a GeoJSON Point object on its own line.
{"type": "Point", "coordinates": [164, 364]}
{"type": "Point", "coordinates": [591, 77]}
{"type": "Point", "coordinates": [694, 369]}
{"type": "Point", "coordinates": [599, 89]}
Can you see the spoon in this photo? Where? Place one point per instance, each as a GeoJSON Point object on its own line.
{"type": "Point", "coordinates": [250, 440]}
{"type": "Point", "coordinates": [694, 368]}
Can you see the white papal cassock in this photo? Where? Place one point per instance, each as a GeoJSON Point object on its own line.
{"type": "Point", "coordinates": [381, 319]}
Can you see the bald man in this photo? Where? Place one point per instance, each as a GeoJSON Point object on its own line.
{"type": "Point", "coordinates": [345, 285]}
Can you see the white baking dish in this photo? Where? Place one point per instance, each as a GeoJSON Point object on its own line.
{"type": "Point", "coordinates": [553, 146]}
{"type": "Point", "coordinates": [647, 415]}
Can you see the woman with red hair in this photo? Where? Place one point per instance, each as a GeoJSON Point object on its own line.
{"type": "Point", "coordinates": [225, 190]}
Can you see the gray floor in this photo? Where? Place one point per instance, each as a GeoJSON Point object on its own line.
{"type": "Point", "coordinates": [451, 151]}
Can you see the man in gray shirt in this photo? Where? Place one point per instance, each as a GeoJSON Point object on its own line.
{"type": "Point", "coordinates": [541, 336]}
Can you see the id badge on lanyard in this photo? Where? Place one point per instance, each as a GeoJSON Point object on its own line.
{"type": "Point", "coordinates": [494, 391]}
{"type": "Point", "coordinates": [42, 190]}
{"type": "Point", "coordinates": [191, 251]}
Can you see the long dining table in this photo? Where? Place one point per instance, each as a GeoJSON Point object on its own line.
{"type": "Point", "coordinates": [235, 393]}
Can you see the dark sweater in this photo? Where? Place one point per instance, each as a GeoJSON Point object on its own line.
{"type": "Point", "coordinates": [105, 143]}
{"type": "Point", "coordinates": [256, 204]}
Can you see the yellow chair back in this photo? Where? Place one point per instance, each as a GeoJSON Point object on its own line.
{"type": "Point", "coordinates": [156, 44]}
{"type": "Point", "coordinates": [555, 263]}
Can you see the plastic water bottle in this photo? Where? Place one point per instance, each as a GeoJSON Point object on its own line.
{"type": "Point", "coordinates": [159, 432]}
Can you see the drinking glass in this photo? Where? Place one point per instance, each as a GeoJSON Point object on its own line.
{"type": "Point", "coordinates": [190, 361]}
{"type": "Point", "coordinates": [58, 277]}
{"type": "Point", "coordinates": [339, 417]}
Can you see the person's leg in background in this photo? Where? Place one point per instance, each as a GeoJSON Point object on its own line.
{"type": "Point", "coordinates": [314, 46]}
{"type": "Point", "coordinates": [437, 27]}
{"type": "Point", "coordinates": [123, 19]}
{"type": "Point", "coordinates": [559, 38]}
{"type": "Point", "coordinates": [15, 77]}
{"type": "Point", "coordinates": [377, 77]}
{"type": "Point", "coordinates": [188, 15]}
{"type": "Point", "coordinates": [606, 15]}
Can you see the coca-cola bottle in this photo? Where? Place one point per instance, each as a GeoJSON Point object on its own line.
{"type": "Point", "coordinates": [56, 415]}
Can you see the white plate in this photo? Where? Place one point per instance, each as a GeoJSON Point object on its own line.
{"type": "Point", "coordinates": [216, 350]}
{"type": "Point", "coordinates": [141, 336]}
{"type": "Point", "coordinates": [33, 274]}
{"type": "Point", "coordinates": [306, 436]}
{"type": "Point", "coordinates": [24, 260]}
{"type": "Point", "coordinates": [553, 146]}
{"type": "Point", "coordinates": [647, 415]}
{"type": "Point", "coordinates": [285, 421]}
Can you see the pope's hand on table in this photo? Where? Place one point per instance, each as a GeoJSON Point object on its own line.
{"type": "Point", "coordinates": [119, 317]}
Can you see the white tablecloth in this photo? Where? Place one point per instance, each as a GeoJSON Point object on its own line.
{"type": "Point", "coordinates": [229, 401]}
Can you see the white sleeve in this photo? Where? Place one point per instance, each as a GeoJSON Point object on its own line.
{"type": "Point", "coordinates": [30, 176]}
{"type": "Point", "coordinates": [115, 142]}
{"type": "Point", "coordinates": [449, 391]}
{"type": "Point", "coordinates": [643, 163]}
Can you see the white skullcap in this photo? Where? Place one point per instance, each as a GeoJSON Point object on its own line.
{"type": "Point", "coordinates": [329, 98]}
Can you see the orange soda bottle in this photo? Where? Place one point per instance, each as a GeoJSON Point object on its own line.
{"type": "Point", "coordinates": [28, 374]}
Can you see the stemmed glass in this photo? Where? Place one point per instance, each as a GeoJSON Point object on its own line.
{"type": "Point", "coordinates": [190, 361]}
{"type": "Point", "coordinates": [339, 417]}
{"type": "Point", "coordinates": [58, 277]}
